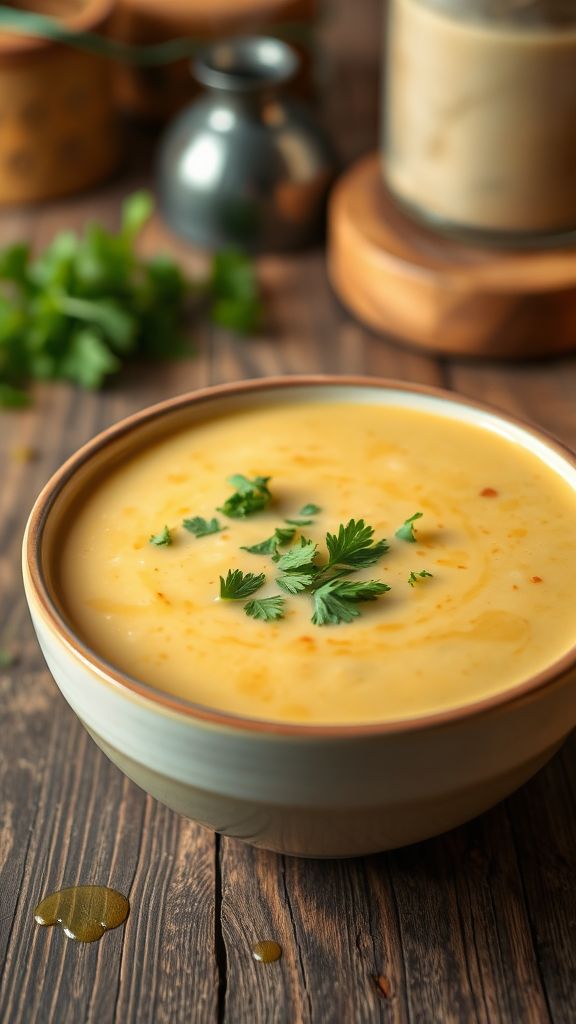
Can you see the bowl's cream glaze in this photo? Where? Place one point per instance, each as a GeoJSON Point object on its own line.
{"type": "Point", "coordinates": [309, 790]}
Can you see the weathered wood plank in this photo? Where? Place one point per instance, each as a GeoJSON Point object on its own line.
{"type": "Point", "coordinates": [68, 815]}
{"type": "Point", "coordinates": [541, 815]}
{"type": "Point", "coordinates": [320, 913]}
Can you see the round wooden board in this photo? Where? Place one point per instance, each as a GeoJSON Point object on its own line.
{"type": "Point", "coordinates": [438, 293]}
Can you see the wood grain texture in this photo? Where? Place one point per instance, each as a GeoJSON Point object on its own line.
{"type": "Point", "coordinates": [475, 926]}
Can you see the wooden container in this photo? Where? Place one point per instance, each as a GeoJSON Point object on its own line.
{"type": "Point", "coordinates": [158, 92]}
{"type": "Point", "coordinates": [438, 293]}
{"type": "Point", "coordinates": [58, 127]}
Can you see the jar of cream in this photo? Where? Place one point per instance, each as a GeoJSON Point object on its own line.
{"type": "Point", "coordinates": [480, 117]}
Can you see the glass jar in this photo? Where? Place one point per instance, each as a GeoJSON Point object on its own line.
{"type": "Point", "coordinates": [480, 116]}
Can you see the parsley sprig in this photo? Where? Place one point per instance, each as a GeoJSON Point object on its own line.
{"type": "Point", "coordinates": [336, 601]}
{"type": "Point", "coordinates": [416, 577]}
{"type": "Point", "coordinates": [282, 535]}
{"type": "Point", "coordinates": [406, 531]}
{"type": "Point", "coordinates": [162, 539]}
{"type": "Point", "coordinates": [267, 609]}
{"type": "Point", "coordinates": [202, 527]}
{"type": "Point", "coordinates": [238, 585]}
{"type": "Point", "coordinates": [353, 545]}
{"type": "Point", "coordinates": [250, 496]}
{"type": "Point", "coordinates": [309, 510]}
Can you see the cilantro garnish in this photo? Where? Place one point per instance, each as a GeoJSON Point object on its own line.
{"type": "Point", "coordinates": [415, 577]}
{"type": "Point", "coordinates": [250, 496]}
{"type": "Point", "coordinates": [162, 539]}
{"type": "Point", "coordinates": [270, 546]}
{"type": "Point", "coordinates": [268, 609]}
{"type": "Point", "coordinates": [406, 531]}
{"type": "Point", "coordinates": [336, 601]}
{"type": "Point", "coordinates": [299, 522]}
{"type": "Point", "coordinates": [239, 584]}
{"type": "Point", "coordinates": [202, 527]}
{"type": "Point", "coordinates": [309, 510]}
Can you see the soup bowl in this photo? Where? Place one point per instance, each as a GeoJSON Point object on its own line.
{"type": "Point", "coordinates": [318, 790]}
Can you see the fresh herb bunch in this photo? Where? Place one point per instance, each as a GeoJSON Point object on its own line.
{"type": "Point", "coordinates": [89, 302]}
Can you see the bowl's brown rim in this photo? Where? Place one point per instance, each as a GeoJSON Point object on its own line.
{"type": "Point", "coordinates": [213, 716]}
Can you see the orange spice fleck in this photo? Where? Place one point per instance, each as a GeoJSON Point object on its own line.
{"type": "Point", "coordinates": [488, 492]}
{"type": "Point", "coordinates": [514, 586]}
{"type": "Point", "coordinates": [536, 579]}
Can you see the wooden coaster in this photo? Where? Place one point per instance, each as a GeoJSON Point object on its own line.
{"type": "Point", "coordinates": [402, 278]}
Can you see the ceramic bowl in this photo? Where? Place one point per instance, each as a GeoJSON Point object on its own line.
{"type": "Point", "coordinates": [320, 791]}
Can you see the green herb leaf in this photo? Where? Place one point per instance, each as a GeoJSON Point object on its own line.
{"type": "Point", "coordinates": [415, 577]}
{"type": "Point", "coordinates": [299, 557]}
{"type": "Point", "coordinates": [330, 609]}
{"type": "Point", "coordinates": [353, 545]}
{"type": "Point", "coordinates": [295, 582]}
{"type": "Point", "coordinates": [309, 510]}
{"type": "Point", "coordinates": [271, 544]}
{"type": "Point", "coordinates": [136, 211]}
{"type": "Point", "coordinates": [299, 522]}
{"type": "Point", "coordinates": [406, 531]}
{"type": "Point", "coordinates": [88, 360]}
{"type": "Point", "coordinates": [268, 609]}
{"type": "Point", "coordinates": [250, 496]}
{"type": "Point", "coordinates": [162, 539]}
{"type": "Point", "coordinates": [234, 292]}
{"type": "Point", "coordinates": [360, 590]}
{"type": "Point", "coordinates": [238, 584]}
{"type": "Point", "coordinates": [244, 486]}
{"type": "Point", "coordinates": [336, 600]}
{"type": "Point", "coordinates": [265, 547]}
{"type": "Point", "coordinates": [202, 527]}
{"type": "Point", "coordinates": [284, 534]}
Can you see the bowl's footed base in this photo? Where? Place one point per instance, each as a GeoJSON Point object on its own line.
{"type": "Point", "coordinates": [327, 832]}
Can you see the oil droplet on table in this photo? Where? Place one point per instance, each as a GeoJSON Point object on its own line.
{"type": "Point", "coordinates": [84, 911]}
{"type": "Point", "coordinates": [267, 951]}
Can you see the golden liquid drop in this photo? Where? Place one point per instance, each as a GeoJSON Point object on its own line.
{"type": "Point", "coordinates": [267, 951]}
{"type": "Point", "coordinates": [84, 911]}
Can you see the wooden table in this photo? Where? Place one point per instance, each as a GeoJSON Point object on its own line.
{"type": "Point", "coordinates": [475, 926]}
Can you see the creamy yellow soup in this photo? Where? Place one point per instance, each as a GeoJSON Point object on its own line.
{"type": "Point", "coordinates": [496, 534]}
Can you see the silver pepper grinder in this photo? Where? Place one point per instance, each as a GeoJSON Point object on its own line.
{"type": "Point", "coordinates": [245, 165]}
